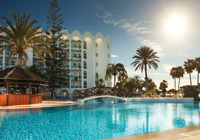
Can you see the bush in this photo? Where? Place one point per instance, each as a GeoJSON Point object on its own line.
{"type": "Point", "coordinates": [191, 91]}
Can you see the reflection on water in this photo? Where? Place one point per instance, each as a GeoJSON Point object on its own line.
{"type": "Point", "coordinates": [96, 120]}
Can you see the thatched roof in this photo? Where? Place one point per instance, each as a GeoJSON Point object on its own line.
{"type": "Point", "coordinates": [20, 73]}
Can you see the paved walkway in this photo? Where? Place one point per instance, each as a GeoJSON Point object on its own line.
{"type": "Point", "coordinates": [43, 104]}
{"type": "Point", "coordinates": [184, 133]}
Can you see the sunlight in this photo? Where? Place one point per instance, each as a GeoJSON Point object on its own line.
{"type": "Point", "coordinates": [175, 25]}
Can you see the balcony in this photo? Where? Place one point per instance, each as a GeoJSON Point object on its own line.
{"type": "Point", "coordinates": [12, 64]}
{"type": "Point", "coordinates": [14, 55]}
{"type": "Point", "coordinates": [7, 64]}
{"type": "Point", "coordinates": [7, 53]}
{"type": "Point", "coordinates": [76, 47]}
{"type": "Point", "coordinates": [85, 57]}
{"type": "Point", "coordinates": [1, 64]}
{"type": "Point", "coordinates": [84, 86]}
{"type": "Point", "coordinates": [76, 67]}
{"type": "Point", "coordinates": [85, 77]}
{"type": "Point", "coordinates": [85, 67]}
{"type": "Point", "coordinates": [75, 86]}
{"type": "Point", "coordinates": [85, 47]}
{"type": "Point", "coordinates": [76, 57]}
{"type": "Point", "coordinates": [64, 46]}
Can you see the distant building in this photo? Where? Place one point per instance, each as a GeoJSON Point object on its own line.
{"type": "Point", "coordinates": [89, 56]}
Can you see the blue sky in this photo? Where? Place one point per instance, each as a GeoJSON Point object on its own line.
{"type": "Point", "coordinates": [130, 24]}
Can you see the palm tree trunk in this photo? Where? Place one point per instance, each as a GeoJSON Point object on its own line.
{"type": "Point", "coordinates": [179, 83]}
{"type": "Point", "coordinates": [146, 78]}
{"type": "Point", "coordinates": [190, 79]}
{"type": "Point", "coordinates": [175, 83]}
{"type": "Point", "coordinates": [197, 78]}
{"type": "Point", "coordinates": [114, 80]}
{"type": "Point", "coordinates": [19, 62]}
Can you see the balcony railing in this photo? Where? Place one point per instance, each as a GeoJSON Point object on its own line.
{"type": "Point", "coordinates": [75, 86]}
{"type": "Point", "coordinates": [84, 86]}
{"type": "Point", "coordinates": [7, 53]}
{"type": "Point", "coordinates": [64, 45]}
{"type": "Point", "coordinates": [7, 64]}
{"type": "Point", "coordinates": [76, 47]}
{"type": "Point", "coordinates": [13, 64]}
{"type": "Point", "coordinates": [76, 67]}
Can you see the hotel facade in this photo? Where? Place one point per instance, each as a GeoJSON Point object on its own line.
{"type": "Point", "coordinates": [88, 57]}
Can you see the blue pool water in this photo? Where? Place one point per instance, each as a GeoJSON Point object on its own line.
{"type": "Point", "coordinates": [96, 120]}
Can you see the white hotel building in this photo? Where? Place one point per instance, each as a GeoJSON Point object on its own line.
{"type": "Point", "coordinates": [89, 55]}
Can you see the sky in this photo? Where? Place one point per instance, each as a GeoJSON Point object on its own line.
{"type": "Point", "coordinates": [170, 27]}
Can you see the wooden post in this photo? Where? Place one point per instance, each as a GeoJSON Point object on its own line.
{"type": "Point", "coordinates": [30, 88]}
{"type": "Point", "coordinates": [7, 90]}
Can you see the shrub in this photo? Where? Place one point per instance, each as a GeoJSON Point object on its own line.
{"type": "Point", "coordinates": [191, 91]}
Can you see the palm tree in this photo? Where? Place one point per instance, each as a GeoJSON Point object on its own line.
{"type": "Point", "coordinates": [122, 78]}
{"type": "Point", "coordinates": [180, 73]}
{"type": "Point", "coordinates": [197, 68]}
{"type": "Point", "coordinates": [189, 66]}
{"type": "Point", "coordinates": [20, 38]}
{"type": "Point", "coordinates": [114, 70]}
{"type": "Point", "coordinates": [145, 57]}
{"type": "Point", "coordinates": [174, 75]}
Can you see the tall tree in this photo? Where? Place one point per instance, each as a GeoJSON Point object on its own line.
{"type": "Point", "coordinates": [114, 70]}
{"type": "Point", "coordinates": [173, 73]}
{"type": "Point", "coordinates": [145, 56]}
{"type": "Point", "coordinates": [122, 78]}
{"type": "Point", "coordinates": [180, 73]}
{"type": "Point", "coordinates": [22, 37]}
{"type": "Point", "coordinates": [197, 60]}
{"type": "Point", "coordinates": [189, 66]}
{"type": "Point", "coordinates": [56, 68]}
{"type": "Point", "coordinates": [163, 86]}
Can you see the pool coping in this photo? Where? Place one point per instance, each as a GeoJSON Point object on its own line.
{"type": "Point", "coordinates": [186, 133]}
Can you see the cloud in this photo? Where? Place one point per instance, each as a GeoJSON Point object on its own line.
{"type": "Point", "coordinates": [167, 67]}
{"type": "Point", "coordinates": [131, 71]}
{"type": "Point", "coordinates": [112, 55]}
{"type": "Point", "coordinates": [182, 54]}
{"type": "Point", "coordinates": [156, 47]}
{"type": "Point", "coordinates": [131, 26]}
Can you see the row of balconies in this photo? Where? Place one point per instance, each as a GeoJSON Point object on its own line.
{"type": "Point", "coordinates": [75, 86]}
{"type": "Point", "coordinates": [75, 57]}
{"type": "Point", "coordinates": [75, 47]}
{"type": "Point", "coordinates": [11, 64]}
{"type": "Point", "coordinates": [77, 67]}
{"type": "Point", "coordinates": [78, 76]}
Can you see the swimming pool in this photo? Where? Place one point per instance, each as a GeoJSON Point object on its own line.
{"type": "Point", "coordinates": [96, 120]}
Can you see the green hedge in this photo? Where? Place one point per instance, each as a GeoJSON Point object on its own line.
{"type": "Point", "coordinates": [191, 91]}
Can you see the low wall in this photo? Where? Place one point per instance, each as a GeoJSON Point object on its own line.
{"type": "Point", "coordinates": [36, 98]}
{"type": "Point", "coordinates": [19, 99]}
{"type": "Point", "coordinates": [3, 98]}
{"type": "Point", "coordinates": [161, 100]}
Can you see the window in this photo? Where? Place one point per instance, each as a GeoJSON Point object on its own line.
{"type": "Point", "coordinates": [96, 64]}
{"type": "Point", "coordinates": [74, 55]}
{"type": "Point", "coordinates": [96, 45]}
{"type": "Point", "coordinates": [74, 74]}
{"type": "Point", "coordinates": [108, 46]}
{"type": "Point", "coordinates": [96, 54]}
{"type": "Point", "coordinates": [74, 64]}
{"type": "Point", "coordinates": [108, 55]}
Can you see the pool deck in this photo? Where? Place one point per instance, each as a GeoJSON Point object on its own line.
{"type": "Point", "coordinates": [185, 133]}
